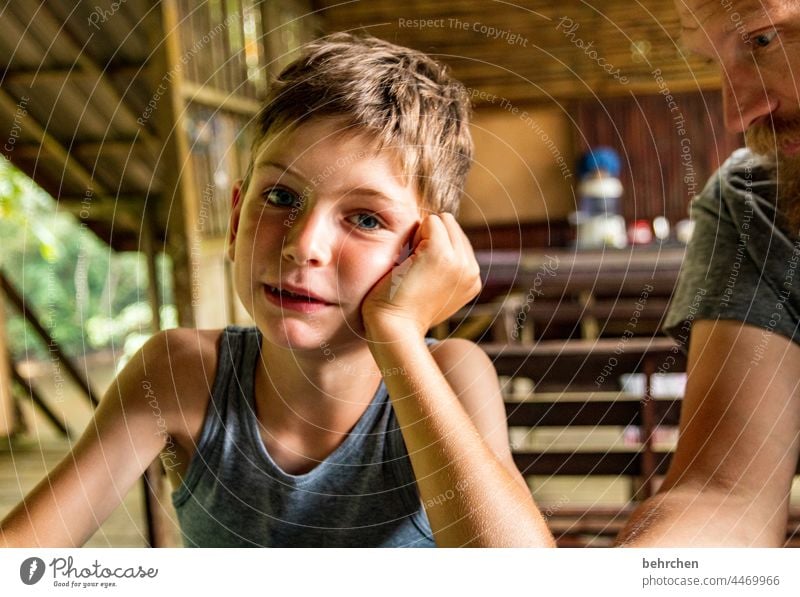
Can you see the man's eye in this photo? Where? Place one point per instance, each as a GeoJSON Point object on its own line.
{"type": "Point", "coordinates": [281, 197]}
{"type": "Point", "coordinates": [366, 221]}
{"type": "Point", "coordinates": [762, 40]}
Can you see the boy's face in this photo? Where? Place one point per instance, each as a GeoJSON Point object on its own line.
{"type": "Point", "coordinates": [324, 218]}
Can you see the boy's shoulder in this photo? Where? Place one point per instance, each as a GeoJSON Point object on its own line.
{"type": "Point", "coordinates": [188, 342]}
{"type": "Point", "coordinates": [178, 367]}
{"type": "Point", "coordinates": [457, 352]}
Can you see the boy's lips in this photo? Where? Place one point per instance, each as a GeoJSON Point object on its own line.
{"type": "Point", "coordinates": [295, 298]}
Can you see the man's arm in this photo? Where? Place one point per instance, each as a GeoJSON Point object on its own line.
{"type": "Point", "coordinates": [121, 440]}
{"type": "Point", "coordinates": [737, 452]}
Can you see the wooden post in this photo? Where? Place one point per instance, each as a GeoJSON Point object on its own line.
{"type": "Point", "coordinates": [7, 417]}
{"type": "Point", "coordinates": [647, 431]}
{"type": "Point", "coordinates": [154, 487]}
{"type": "Point", "coordinates": [179, 196]}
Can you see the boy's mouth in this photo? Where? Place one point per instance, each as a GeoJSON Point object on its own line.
{"type": "Point", "coordinates": [294, 299]}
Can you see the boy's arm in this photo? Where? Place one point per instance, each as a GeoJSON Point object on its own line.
{"type": "Point", "coordinates": [472, 493]}
{"type": "Point", "coordinates": [455, 433]}
{"type": "Point", "coordinates": [730, 478]}
{"type": "Point", "coordinates": [121, 440]}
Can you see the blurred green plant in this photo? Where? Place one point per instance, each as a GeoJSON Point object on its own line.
{"type": "Point", "coordinates": [86, 295]}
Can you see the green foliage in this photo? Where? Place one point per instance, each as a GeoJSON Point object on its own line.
{"type": "Point", "coordinates": [87, 296]}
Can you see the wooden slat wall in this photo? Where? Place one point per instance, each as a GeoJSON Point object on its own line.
{"type": "Point", "coordinates": [220, 144]}
{"type": "Point", "coordinates": [227, 33]}
{"type": "Point", "coordinates": [663, 166]}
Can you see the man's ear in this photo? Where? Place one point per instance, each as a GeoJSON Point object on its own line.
{"type": "Point", "coordinates": [236, 212]}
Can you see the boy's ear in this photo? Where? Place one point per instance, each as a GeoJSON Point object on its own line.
{"type": "Point", "coordinates": [236, 212]}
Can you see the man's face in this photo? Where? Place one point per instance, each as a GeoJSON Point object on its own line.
{"type": "Point", "coordinates": [757, 46]}
{"type": "Point", "coordinates": [324, 218]}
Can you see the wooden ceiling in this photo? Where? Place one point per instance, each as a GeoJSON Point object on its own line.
{"type": "Point", "coordinates": [74, 86]}
{"type": "Point", "coordinates": [537, 50]}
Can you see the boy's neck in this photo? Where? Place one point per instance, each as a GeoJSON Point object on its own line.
{"type": "Point", "coordinates": [296, 390]}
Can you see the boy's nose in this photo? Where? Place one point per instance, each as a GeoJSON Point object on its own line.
{"type": "Point", "coordinates": [308, 240]}
{"type": "Point", "coordinates": [745, 99]}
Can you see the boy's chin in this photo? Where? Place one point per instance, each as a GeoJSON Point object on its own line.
{"type": "Point", "coordinates": [302, 336]}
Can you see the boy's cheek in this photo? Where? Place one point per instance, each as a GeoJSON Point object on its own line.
{"type": "Point", "coordinates": [370, 272]}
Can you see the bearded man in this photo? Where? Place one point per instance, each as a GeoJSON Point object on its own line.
{"type": "Point", "coordinates": [737, 305]}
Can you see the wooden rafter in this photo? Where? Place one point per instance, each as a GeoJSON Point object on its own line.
{"type": "Point", "coordinates": [87, 65]}
{"type": "Point", "coordinates": [54, 147]}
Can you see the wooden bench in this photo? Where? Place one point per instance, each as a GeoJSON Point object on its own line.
{"type": "Point", "coordinates": [576, 384]}
{"type": "Point", "coordinates": [562, 294]}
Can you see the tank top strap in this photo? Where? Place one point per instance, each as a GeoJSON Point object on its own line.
{"type": "Point", "coordinates": [243, 350]}
{"type": "Point", "coordinates": [221, 413]}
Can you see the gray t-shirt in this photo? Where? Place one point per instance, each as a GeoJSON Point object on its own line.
{"type": "Point", "coordinates": [739, 265]}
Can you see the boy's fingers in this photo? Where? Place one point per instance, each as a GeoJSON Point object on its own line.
{"type": "Point", "coordinates": [453, 230]}
{"type": "Point", "coordinates": [412, 239]}
{"type": "Point", "coordinates": [434, 230]}
{"type": "Point", "coordinates": [458, 239]}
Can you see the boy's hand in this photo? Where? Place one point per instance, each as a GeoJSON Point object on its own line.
{"type": "Point", "coordinates": [439, 277]}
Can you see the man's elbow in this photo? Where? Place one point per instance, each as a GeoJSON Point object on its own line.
{"type": "Point", "coordinates": [690, 515]}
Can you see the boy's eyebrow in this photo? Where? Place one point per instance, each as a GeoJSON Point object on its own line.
{"type": "Point", "coordinates": [276, 165]}
{"type": "Point", "coordinates": [367, 191]}
{"type": "Point", "coordinates": [358, 190]}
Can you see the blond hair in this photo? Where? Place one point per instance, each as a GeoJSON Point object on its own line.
{"type": "Point", "coordinates": [401, 98]}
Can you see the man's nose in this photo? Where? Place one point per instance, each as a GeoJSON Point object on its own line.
{"type": "Point", "coordinates": [745, 99]}
{"type": "Point", "coordinates": [309, 240]}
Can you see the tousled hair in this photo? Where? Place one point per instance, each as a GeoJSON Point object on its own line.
{"type": "Point", "coordinates": [402, 99]}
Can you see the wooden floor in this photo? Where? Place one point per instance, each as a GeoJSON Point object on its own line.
{"type": "Point", "coordinates": [26, 459]}
{"type": "Point", "coordinates": [25, 464]}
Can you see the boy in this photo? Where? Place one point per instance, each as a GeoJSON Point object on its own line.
{"type": "Point", "coordinates": [284, 434]}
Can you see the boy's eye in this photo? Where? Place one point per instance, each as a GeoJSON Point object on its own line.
{"type": "Point", "coordinates": [281, 197]}
{"type": "Point", "coordinates": [366, 221]}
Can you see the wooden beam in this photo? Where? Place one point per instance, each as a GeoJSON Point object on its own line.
{"type": "Point", "coordinates": [181, 234]}
{"type": "Point", "coordinates": [179, 187]}
{"type": "Point", "coordinates": [53, 146]}
{"type": "Point", "coordinates": [154, 475]}
{"type": "Point", "coordinates": [592, 413]}
{"type": "Point", "coordinates": [85, 62]}
{"type": "Point", "coordinates": [52, 346]}
{"type": "Point", "coordinates": [41, 403]}
{"type": "Point", "coordinates": [28, 78]}
{"type": "Point", "coordinates": [123, 213]}
{"type": "Point", "coordinates": [220, 100]}
{"type": "Point", "coordinates": [587, 463]}
{"type": "Point", "coordinates": [7, 411]}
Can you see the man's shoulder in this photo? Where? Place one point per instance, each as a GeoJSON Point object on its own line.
{"type": "Point", "coordinates": [748, 172]}
{"type": "Point", "coordinates": [743, 180]}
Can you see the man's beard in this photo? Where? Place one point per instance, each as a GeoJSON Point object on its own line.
{"type": "Point", "coordinates": [767, 140]}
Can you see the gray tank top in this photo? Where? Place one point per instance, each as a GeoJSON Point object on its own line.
{"type": "Point", "coordinates": [233, 495]}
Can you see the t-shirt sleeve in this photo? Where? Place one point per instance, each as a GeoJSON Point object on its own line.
{"type": "Point", "coordinates": [721, 279]}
